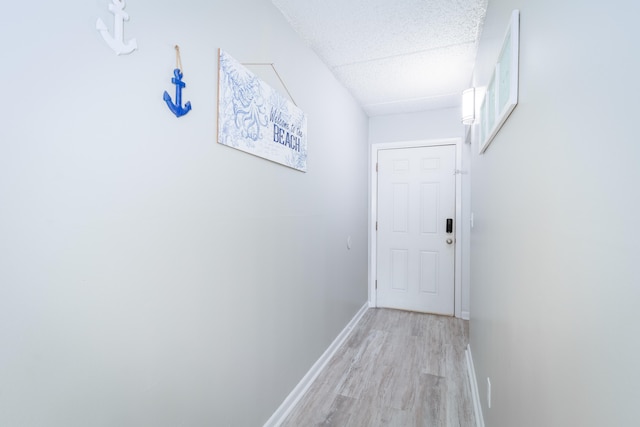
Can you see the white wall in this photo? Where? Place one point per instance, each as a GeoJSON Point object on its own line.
{"type": "Point", "coordinates": [555, 244]}
{"type": "Point", "coordinates": [427, 125]}
{"type": "Point", "coordinates": [431, 124]}
{"type": "Point", "coordinates": [148, 275]}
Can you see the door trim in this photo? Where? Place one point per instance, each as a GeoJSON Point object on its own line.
{"type": "Point", "coordinates": [373, 214]}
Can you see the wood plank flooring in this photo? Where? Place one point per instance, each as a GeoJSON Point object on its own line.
{"type": "Point", "coordinates": [396, 368]}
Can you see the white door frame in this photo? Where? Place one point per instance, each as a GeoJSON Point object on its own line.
{"type": "Point", "coordinates": [373, 214]}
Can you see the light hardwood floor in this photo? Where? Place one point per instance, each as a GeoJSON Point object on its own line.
{"type": "Point", "coordinates": [396, 368]}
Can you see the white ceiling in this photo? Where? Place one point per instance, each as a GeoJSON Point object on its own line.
{"type": "Point", "coordinates": [395, 56]}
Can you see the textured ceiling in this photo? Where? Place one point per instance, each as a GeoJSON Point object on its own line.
{"type": "Point", "coordinates": [394, 56]}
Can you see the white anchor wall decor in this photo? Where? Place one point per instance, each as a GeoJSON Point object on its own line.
{"type": "Point", "coordinates": [116, 42]}
{"type": "Point", "coordinates": [177, 108]}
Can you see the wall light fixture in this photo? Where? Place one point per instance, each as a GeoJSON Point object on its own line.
{"type": "Point", "coordinates": [469, 106]}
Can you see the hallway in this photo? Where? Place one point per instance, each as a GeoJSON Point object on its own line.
{"type": "Point", "coordinates": [396, 369]}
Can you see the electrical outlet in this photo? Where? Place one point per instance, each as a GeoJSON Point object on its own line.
{"type": "Point", "coordinates": [488, 392]}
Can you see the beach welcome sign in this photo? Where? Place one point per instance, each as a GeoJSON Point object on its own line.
{"type": "Point", "coordinates": [254, 118]}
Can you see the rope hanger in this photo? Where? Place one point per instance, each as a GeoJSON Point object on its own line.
{"type": "Point", "coordinates": [178, 59]}
{"type": "Point", "coordinates": [270, 64]}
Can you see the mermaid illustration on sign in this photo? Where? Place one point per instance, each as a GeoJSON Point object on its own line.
{"type": "Point", "coordinates": [249, 108]}
{"type": "Point", "coordinates": [247, 101]}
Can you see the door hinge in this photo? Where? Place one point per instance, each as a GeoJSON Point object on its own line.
{"type": "Point", "coordinates": [376, 225]}
{"type": "Point", "coordinates": [376, 285]}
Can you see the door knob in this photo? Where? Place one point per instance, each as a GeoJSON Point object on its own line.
{"type": "Point", "coordinates": [449, 241]}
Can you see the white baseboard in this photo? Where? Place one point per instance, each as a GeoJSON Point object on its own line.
{"type": "Point", "coordinates": [465, 315]}
{"type": "Point", "coordinates": [473, 383]}
{"type": "Point", "coordinates": [294, 397]}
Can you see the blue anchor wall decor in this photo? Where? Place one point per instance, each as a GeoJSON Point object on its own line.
{"type": "Point", "coordinates": [116, 42]}
{"type": "Point", "coordinates": [177, 108]}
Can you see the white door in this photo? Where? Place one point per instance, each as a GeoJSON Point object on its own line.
{"type": "Point", "coordinates": [416, 230]}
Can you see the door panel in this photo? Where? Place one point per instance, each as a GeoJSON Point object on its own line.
{"type": "Point", "coordinates": [416, 195]}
